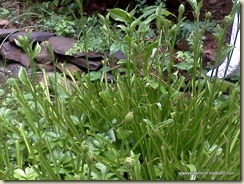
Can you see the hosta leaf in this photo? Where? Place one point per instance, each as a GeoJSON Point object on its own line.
{"type": "Point", "coordinates": [124, 28]}
{"type": "Point", "coordinates": [17, 42]}
{"type": "Point", "coordinates": [134, 24]}
{"type": "Point", "coordinates": [24, 77]}
{"type": "Point", "coordinates": [37, 50]}
{"type": "Point", "coordinates": [120, 15]}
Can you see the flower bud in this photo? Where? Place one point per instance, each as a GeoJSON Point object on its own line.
{"type": "Point", "coordinates": [129, 117]}
{"type": "Point", "coordinates": [85, 149]}
{"type": "Point", "coordinates": [227, 20]}
{"type": "Point", "coordinates": [173, 28]}
{"type": "Point", "coordinates": [90, 159]}
{"type": "Point", "coordinates": [129, 162]}
{"type": "Point", "coordinates": [208, 15]}
{"type": "Point", "coordinates": [181, 9]}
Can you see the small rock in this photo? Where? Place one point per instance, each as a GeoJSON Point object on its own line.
{"type": "Point", "coordinates": [110, 77]}
{"type": "Point", "coordinates": [60, 44]}
{"type": "Point", "coordinates": [5, 32]}
{"type": "Point", "coordinates": [68, 68]}
{"type": "Point", "coordinates": [92, 55]}
{"type": "Point", "coordinates": [47, 67]}
{"type": "Point", "coordinates": [114, 58]}
{"type": "Point", "coordinates": [82, 62]}
{"type": "Point", "coordinates": [119, 55]}
{"type": "Point", "coordinates": [13, 53]}
{"type": "Point", "coordinates": [12, 69]}
{"type": "Point", "coordinates": [38, 36]}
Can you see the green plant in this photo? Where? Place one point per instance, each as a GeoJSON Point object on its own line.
{"type": "Point", "coordinates": [29, 48]}
{"type": "Point", "coordinates": [3, 12]}
{"type": "Point", "coordinates": [140, 126]}
{"type": "Point", "coordinates": [59, 24]}
{"type": "Point", "coordinates": [64, 28]}
{"type": "Point", "coordinates": [186, 59]}
{"type": "Point", "coordinates": [27, 174]}
{"type": "Point", "coordinates": [142, 5]}
{"type": "Point", "coordinates": [187, 27]}
{"type": "Point", "coordinates": [94, 40]}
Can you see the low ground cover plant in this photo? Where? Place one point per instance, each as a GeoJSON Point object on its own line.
{"type": "Point", "coordinates": [139, 126]}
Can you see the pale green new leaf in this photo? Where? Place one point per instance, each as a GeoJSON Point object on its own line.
{"type": "Point", "coordinates": [120, 15]}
